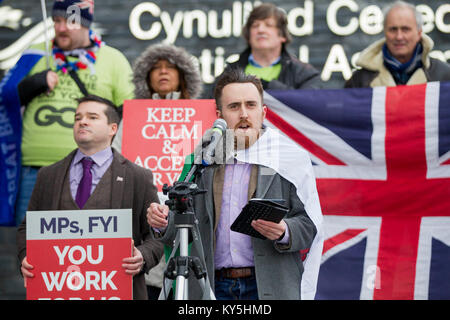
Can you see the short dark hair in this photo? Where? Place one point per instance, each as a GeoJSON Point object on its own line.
{"type": "Point", "coordinates": [265, 11]}
{"type": "Point", "coordinates": [111, 111]}
{"type": "Point", "coordinates": [234, 75]}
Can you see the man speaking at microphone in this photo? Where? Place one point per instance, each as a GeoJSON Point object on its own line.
{"type": "Point", "coordinates": [252, 162]}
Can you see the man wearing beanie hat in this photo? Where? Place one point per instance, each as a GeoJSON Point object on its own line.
{"type": "Point", "coordinates": [83, 11]}
{"type": "Point", "coordinates": [72, 19]}
{"type": "Point", "coordinates": [80, 64]}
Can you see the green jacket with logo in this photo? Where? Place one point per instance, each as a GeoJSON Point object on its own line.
{"type": "Point", "coordinates": [48, 118]}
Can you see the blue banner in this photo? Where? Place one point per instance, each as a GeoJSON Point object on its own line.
{"type": "Point", "coordinates": [11, 135]}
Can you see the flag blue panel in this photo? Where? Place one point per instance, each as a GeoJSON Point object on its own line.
{"type": "Point", "coordinates": [335, 110]}
{"type": "Point", "coordinates": [342, 281]}
{"type": "Point", "coordinates": [444, 118]}
{"type": "Point", "coordinates": [439, 288]}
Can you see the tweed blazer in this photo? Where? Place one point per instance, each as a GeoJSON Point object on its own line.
{"type": "Point", "coordinates": [278, 267]}
{"type": "Point", "coordinates": [134, 189]}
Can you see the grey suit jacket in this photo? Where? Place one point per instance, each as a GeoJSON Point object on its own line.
{"type": "Point", "coordinates": [278, 267]}
{"type": "Point", "coordinates": [136, 190]}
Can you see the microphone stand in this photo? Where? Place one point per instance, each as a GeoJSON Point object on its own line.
{"type": "Point", "coordinates": [181, 203]}
{"type": "Point", "coordinates": [179, 267]}
{"type": "Point", "coordinates": [196, 170]}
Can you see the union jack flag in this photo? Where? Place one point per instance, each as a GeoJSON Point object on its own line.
{"type": "Point", "coordinates": [382, 162]}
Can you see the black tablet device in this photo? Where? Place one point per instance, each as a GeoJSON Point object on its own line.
{"type": "Point", "coordinates": [265, 209]}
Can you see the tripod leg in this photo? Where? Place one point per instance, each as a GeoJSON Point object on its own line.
{"type": "Point", "coordinates": [184, 263]}
{"type": "Point", "coordinates": [181, 288]}
{"type": "Point", "coordinates": [182, 282]}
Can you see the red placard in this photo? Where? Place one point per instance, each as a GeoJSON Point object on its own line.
{"type": "Point", "coordinates": [159, 134]}
{"type": "Point", "coordinates": [77, 255]}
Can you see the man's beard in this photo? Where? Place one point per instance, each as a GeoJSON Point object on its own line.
{"type": "Point", "coordinates": [243, 140]}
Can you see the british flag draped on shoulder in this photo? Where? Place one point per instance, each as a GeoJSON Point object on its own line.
{"type": "Point", "coordinates": [382, 164]}
{"type": "Point", "coordinates": [277, 153]}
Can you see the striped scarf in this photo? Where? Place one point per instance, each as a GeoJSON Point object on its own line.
{"type": "Point", "coordinates": [403, 71]}
{"type": "Point", "coordinates": [86, 56]}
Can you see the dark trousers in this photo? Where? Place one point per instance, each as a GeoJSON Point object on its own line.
{"type": "Point", "coordinates": [236, 289]}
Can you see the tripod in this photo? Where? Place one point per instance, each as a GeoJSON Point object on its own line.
{"type": "Point", "coordinates": [180, 267]}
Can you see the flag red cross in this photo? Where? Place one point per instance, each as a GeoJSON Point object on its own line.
{"type": "Point", "coordinates": [401, 200]}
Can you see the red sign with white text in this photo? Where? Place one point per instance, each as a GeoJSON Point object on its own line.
{"type": "Point", "coordinates": [159, 134]}
{"type": "Point", "coordinates": [77, 255]}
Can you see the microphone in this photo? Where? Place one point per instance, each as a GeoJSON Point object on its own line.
{"type": "Point", "coordinates": [218, 128]}
{"type": "Point", "coordinates": [204, 155]}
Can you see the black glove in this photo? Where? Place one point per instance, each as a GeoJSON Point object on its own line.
{"type": "Point", "coordinates": [32, 86]}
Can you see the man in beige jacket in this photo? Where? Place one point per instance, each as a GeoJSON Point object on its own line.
{"type": "Point", "coordinates": [402, 56]}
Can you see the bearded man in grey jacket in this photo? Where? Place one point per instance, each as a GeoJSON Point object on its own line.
{"type": "Point", "coordinates": [283, 265]}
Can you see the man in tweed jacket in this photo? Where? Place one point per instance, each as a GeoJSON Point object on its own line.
{"type": "Point", "coordinates": [117, 184]}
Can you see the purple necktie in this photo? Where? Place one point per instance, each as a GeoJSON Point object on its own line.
{"type": "Point", "coordinates": [84, 188]}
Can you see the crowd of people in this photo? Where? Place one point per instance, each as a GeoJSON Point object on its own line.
{"type": "Point", "coordinates": [92, 80]}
